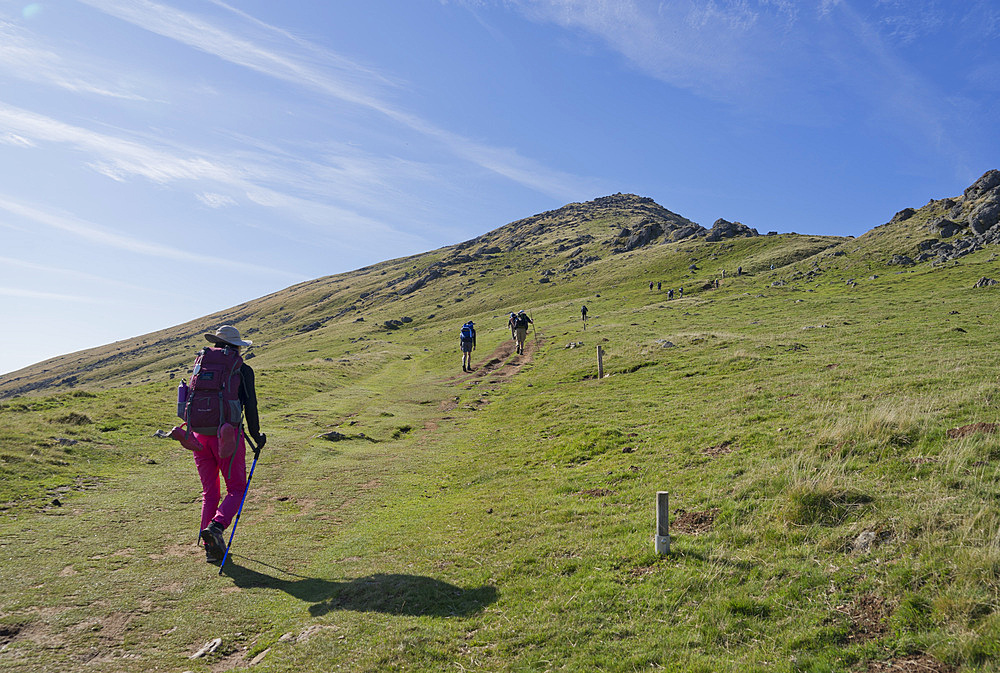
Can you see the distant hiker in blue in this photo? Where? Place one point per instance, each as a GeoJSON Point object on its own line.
{"type": "Point", "coordinates": [670, 293]}
{"type": "Point", "coordinates": [467, 342]}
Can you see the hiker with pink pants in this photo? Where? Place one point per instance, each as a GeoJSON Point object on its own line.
{"type": "Point", "coordinates": [222, 395]}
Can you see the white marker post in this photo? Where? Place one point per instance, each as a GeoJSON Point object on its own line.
{"type": "Point", "coordinates": [662, 523]}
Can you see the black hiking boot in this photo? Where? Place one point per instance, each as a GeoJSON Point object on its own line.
{"type": "Point", "coordinates": [215, 545]}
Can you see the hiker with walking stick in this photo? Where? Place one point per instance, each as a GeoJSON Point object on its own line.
{"type": "Point", "coordinates": [521, 322]}
{"type": "Point", "coordinates": [221, 395]}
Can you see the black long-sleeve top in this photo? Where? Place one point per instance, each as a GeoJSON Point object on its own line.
{"type": "Point", "coordinates": [248, 398]}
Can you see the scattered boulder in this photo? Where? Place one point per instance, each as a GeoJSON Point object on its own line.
{"type": "Point", "coordinates": [868, 540]}
{"type": "Point", "coordinates": [208, 648]}
{"type": "Point", "coordinates": [904, 214]}
{"type": "Point", "coordinates": [945, 227]}
{"type": "Point", "coordinates": [985, 282]}
{"type": "Point", "coordinates": [432, 274]}
{"type": "Point", "coordinates": [989, 181]}
{"type": "Point", "coordinates": [723, 229]}
{"type": "Point", "coordinates": [901, 260]}
{"type": "Point", "coordinates": [687, 231]}
{"type": "Point", "coordinates": [647, 231]}
{"type": "Point", "coordinates": [986, 215]}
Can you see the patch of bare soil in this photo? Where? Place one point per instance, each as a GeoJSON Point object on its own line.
{"type": "Point", "coordinates": [867, 618]}
{"type": "Point", "coordinates": [719, 449]}
{"type": "Point", "coordinates": [972, 429]}
{"type": "Point", "coordinates": [230, 662]}
{"type": "Point", "coordinates": [175, 550]}
{"type": "Point", "coordinates": [37, 632]}
{"type": "Point", "coordinates": [918, 663]}
{"type": "Point", "coordinates": [693, 523]}
{"type": "Point", "coordinates": [597, 492]}
{"type": "Point", "coordinates": [113, 628]}
{"type": "Point", "coordinates": [9, 632]}
{"type": "Point", "coordinates": [641, 571]}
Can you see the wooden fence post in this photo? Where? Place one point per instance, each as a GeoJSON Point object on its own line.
{"type": "Point", "coordinates": [600, 362]}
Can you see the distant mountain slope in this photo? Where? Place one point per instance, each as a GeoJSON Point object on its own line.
{"type": "Point", "coordinates": [602, 241]}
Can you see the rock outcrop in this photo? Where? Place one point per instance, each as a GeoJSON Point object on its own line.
{"type": "Point", "coordinates": [723, 229]}
{"type": "Point", "coordinates": [974, 218]}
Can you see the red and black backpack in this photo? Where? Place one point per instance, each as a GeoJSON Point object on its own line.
{"type": "Point", "coordinates": [213, 398]}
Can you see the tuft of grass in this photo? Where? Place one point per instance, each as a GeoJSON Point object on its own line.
{"type": "Point", "coordinates": [589, 444]}
{"type": "Point", "coordinates": [818, 504]}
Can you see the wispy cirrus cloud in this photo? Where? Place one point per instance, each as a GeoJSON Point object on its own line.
{"type": "Point", "coordinates": [22, 57]}
{"type": "Point", "coordinates": [104, 237]}
{"type": "Point", "coordinates": [71, 275]}
{"type": "Point", "coordinates": [213, 200]}
{"type": "Point", "coordinates": [295, 61]}
{"type": "Point", "coordinates": [262, 180]}
{"type": "Point", "coordinates": [22, 293]}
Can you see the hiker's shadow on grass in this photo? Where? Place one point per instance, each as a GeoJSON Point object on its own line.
{"type": "Point", "coordinates": [392, 594]}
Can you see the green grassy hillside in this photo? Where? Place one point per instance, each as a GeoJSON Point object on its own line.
{"type": "Point", "coordinates": [833, 505]}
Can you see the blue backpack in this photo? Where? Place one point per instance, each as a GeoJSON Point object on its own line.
{"type": "Point", "coordinates": [468, 333]}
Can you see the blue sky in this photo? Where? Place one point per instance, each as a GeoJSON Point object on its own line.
{"type": "Point", "coordinates": [164, 159]}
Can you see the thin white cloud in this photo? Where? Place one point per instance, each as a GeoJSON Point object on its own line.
{"type": "Point", "coordinates": [104, 237]}
{"type": "Point", "coordinates": [213, 200]}
{"type": "Point", "coordinates": [21, 57]}
{"type": "Point", "coordinates": [71, 275]}
{"type": "Point", "coordinates": [21, 293]}
{"type": "Point", "coordinates": [339, 78]}
{"type": "Point", "coordinates": [120, 159]}
{"type": "Point", "coordinates": [15, 140]}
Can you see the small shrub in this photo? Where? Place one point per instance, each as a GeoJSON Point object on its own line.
{"type": "Point", "coordinates": [74, 418]}
{"type": "Point", "coordinates": [912, 614]}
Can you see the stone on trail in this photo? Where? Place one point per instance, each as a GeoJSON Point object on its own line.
{"type": "Point", "coordinates": [208, 648]}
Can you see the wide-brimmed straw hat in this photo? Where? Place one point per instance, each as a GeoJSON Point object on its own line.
{"type": "Point", "coordinates": [227, 334]}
